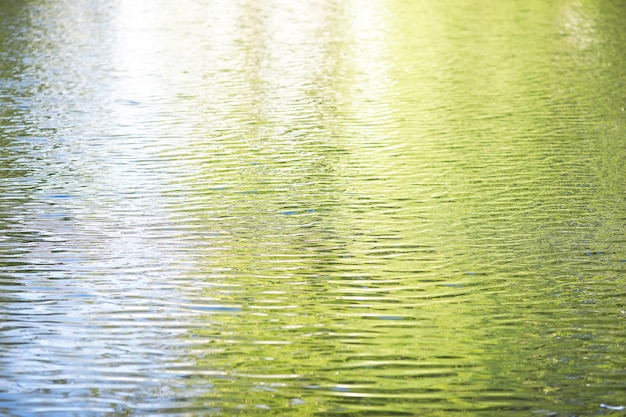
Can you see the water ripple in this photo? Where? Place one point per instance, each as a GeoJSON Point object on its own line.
{"type": "Point", "coordinates": [368, 208]}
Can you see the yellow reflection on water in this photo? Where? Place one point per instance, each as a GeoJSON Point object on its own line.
{"type": "Point", "coordinates": [356, 181]}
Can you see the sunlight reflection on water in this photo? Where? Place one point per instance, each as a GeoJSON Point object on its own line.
{"type": "Point", "coordinates": [313, 208]}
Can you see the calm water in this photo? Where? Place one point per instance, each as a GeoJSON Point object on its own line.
{"type": "Point", "coordinates": [312, 208]}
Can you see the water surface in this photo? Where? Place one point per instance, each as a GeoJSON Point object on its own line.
{"type": "Point", "coordinates": [337, 207]}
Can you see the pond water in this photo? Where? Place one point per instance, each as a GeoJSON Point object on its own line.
{"type": "Point", "coordinates": [313, 208]}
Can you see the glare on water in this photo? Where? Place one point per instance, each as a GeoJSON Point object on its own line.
{"type": "Point", "coordinates": [337, 207]}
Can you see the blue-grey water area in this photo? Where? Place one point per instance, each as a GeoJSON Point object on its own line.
{"type": "Point", "coordinates": [312, 208]}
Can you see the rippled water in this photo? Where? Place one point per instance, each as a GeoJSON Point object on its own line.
{"type": "Point", "coordinates": [336, 207]}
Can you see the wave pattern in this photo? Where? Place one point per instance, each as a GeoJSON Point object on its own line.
{"type": "Point", "coordinates": [315, 208]}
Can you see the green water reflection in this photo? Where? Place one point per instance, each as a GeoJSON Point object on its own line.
{"type": "Point", "coordinates": [356, 207]}
{"type": "Point", "coordinates": [444, 229]}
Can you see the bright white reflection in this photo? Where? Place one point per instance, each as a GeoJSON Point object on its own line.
{"type": "Point", "coordinates": [370, 58]}
{"type": "Point", "coordinates": [135, 55]}
{"type": "Point", "coordinates": [369, 94]}
{"type": "Point", "coordinates": [578, 25]}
